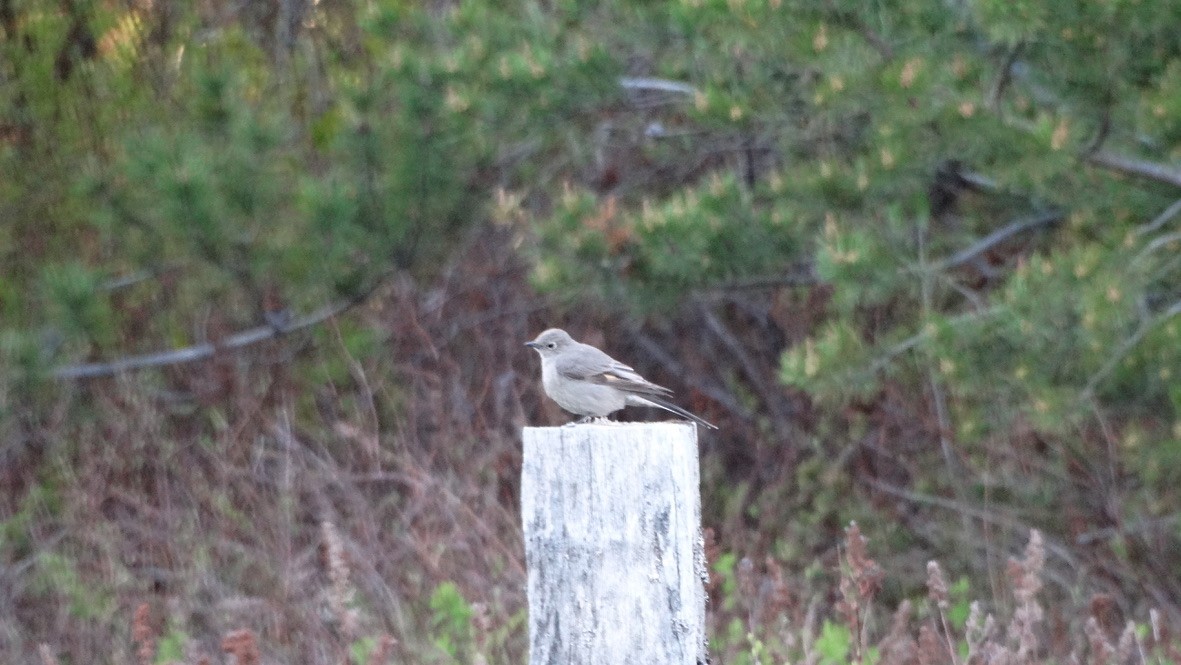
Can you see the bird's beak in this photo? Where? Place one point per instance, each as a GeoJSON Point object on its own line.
{"type": "Point", "coordinates": [532, 345]}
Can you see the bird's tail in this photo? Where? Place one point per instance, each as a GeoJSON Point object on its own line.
{"type": "Point", "coordinates": [673, 408]}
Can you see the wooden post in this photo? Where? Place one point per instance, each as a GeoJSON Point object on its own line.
{"type": "Point", "coordinates": [612, 521]}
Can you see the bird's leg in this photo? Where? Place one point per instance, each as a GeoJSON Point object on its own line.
{"type": "Point", "coordinates": [581, 421]}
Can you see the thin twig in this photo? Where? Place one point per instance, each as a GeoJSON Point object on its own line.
{"type": "Point", "coordinates": [748, 365]}
{"type": "Point", "coordinates": [1100, 137]}
{"type": "Point", "coordinates": [1000, 519]}
{"type": "Point", "coordinates": [920, 337]}
{"type": "Point", "coordinates": [872, 37]}
{"type": "Point", "coordinates": [657, 353]}
{"type": "Point", "coordinates": [1126, 347]}
{"type": "Point", "coordinates": [1106, 533]}
{"type": "Point", "coordinates": [1157, 243]}
{"type": "Point", "coordinates": [804, 275]}
{"type": "Point", "coordinates": [1048, 218]}
{"type": "Point", "coordinates": [943, 421]}
{"type": "Point", "coordinates": [947, 637]}
{"type": "Point", "coordinates": [1161, 219]}
{"type": "Point", "coordinates": [1004, 76]}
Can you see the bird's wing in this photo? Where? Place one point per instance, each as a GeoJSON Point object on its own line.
{"type": "Point", "coordinates": [595, 366]}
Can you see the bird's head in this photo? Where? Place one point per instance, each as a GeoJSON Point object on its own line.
{"type": "Point", "coordinates": [551, 342]}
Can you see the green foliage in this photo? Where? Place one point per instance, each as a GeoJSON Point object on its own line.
{"type": "Point", "coordinates": [170, 647]}
{"type": "Point", "coordinates": [829, 360]}
{"type": "Point", "coordinates": [960, 595]}
{"type": "Point", "coordinates": [242, 180]}
{"type": "Point", "coordinates": [451, 621]}
{"type": "Point", "coordinates": [362, 650]}
{"type": "Point", "coordinates": [57, 576]}
{"type": "Point", "coordinates": [15, 540]}
{"type": "Point", "coordinates": [689, 240]}
{"type": "Point", "coordinates": [724, 567]}
{"type": "Point", "coordinates": [833, 643]}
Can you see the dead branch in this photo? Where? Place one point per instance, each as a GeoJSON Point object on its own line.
{"type": "Point", "coordinates": [1048, 218]}
{"type": "Point", "coordinates": [1140, 168]}
{"type": "Point", "coordinates": [207, 350]}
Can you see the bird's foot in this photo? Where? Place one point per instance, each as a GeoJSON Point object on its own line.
{"type": "Point", "coordinates": [590, 420]}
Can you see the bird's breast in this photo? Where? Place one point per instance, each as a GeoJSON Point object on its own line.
{"type": "Point", "coordinates": [549, 377]}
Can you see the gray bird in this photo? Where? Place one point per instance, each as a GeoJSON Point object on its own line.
{"type": "Point", "coordinates": [585, 381]}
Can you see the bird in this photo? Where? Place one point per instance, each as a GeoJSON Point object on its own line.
{"type": "Point", "coordinates": [587, 382]}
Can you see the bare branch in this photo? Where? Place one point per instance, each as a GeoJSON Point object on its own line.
{"type": "Point", "coordinates": [647, 92]}
{"type": "Point", "coordinates": [646, 84]}
{"type": "Point", "coordinates": [981, 181]}
{"type": "Point", "coordinates": [1141, 168]}
{"type": "Point", "coordinates": [132, 279]}
{"type": "Point", "coordinates": [191, 353]}
{"type": "Point", "coordinates": [1161, 219]}
{"type": "Point", "coordinates": [1048, 218]}
{"type": "Point", "coordinates": [202, 351]}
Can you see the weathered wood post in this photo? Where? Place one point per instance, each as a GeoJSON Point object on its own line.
{"type": "Point", "coordinates": [612, 521]}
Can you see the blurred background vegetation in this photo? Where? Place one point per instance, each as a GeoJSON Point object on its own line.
{"type": "Point", "coordinates": [268, 266]}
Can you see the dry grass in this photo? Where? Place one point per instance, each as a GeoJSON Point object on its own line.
{"type": "Point", "coordinates": [237, 508]}
{"type": "Point", "coordinates": [1018, 635]}
{"type": "Point", "coordinates": [352, 497]}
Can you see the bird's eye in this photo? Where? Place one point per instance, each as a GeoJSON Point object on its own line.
{"type": "Point", "coordinates": [551, 345]}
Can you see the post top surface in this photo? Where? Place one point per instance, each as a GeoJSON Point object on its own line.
{"type": "Point", "coordinates": [614, 425]}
